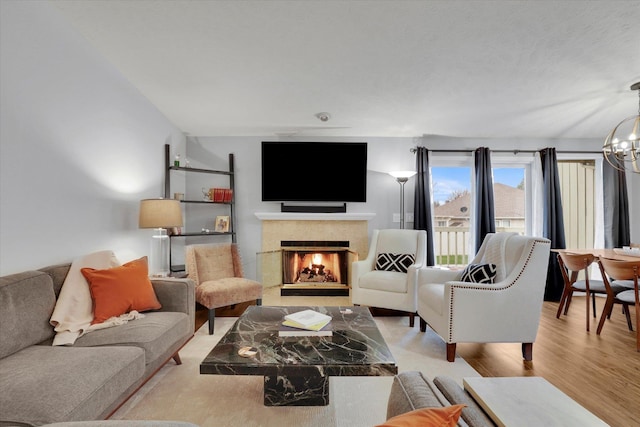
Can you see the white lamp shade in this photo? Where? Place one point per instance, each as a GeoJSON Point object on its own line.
{"type": "Point", "coordinates": [160, 213]}
{"type": "Point", "coordinates": [402, 174]}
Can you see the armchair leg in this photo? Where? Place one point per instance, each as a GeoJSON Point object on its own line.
{"type": "Point", "coordinates": [527, 351]}
{"type": "Point", "coordinates": [176, 358]}
{"type": "Point", "coordinates": [423, 325]}
{"type": "Point", "coordinates": [412, 317]}
{"type": "Point", "coordinates": [451, 352]}
{"type": "Point", "coordinates": [212, 318]}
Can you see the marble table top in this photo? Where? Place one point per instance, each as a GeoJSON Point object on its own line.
{"type": "Point", "coordinates": [356, 348]}
{"type": "Point", "coordinates": [528, 402]}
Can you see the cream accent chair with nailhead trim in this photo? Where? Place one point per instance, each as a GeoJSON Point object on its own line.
{"type": "Point", "coordinates": [507, 310]}
{"type": "Point", "coordinates": [217, 271]}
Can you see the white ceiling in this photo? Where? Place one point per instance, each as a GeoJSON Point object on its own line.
{"type": "Point", "coordinates": [538, 69]}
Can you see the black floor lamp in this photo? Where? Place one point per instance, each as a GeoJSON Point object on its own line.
{"type": "Point", "coordinates": [402, 177]}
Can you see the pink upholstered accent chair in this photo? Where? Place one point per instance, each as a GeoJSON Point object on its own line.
{"type": "Point", "coordinates": [507, 310]}
{"type": "Point", "coordinates": [217, 271]}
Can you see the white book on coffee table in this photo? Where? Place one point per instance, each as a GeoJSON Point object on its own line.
{"type": "Point", "coordinates": [307, 318]}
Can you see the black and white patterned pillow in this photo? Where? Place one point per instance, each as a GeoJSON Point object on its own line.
{"type": "Point", "coordinates": [394, 262]}
{"type": "Point", "coordinates": [479, 273]}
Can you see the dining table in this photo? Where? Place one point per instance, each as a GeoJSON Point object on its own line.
{"type": "Point", "coordinates": [617, 254]}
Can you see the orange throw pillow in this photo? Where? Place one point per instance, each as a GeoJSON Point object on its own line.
{"type": "Point", "coordinates": [119, 290]}
{"type": "Point", "coordinates": [427, 417]}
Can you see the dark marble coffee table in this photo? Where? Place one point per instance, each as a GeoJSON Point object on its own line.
{"type": "Point", "coordinates": [296, 371]}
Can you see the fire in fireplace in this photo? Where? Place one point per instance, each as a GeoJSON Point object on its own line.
{"type": "Point", "coordinates": [314, 263]}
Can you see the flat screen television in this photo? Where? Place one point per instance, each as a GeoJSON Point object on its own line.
{"type": "Point", "coordinates": [314, 171]}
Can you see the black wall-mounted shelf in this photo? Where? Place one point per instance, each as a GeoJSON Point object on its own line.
{"type": "Point", "coordinates": [171, 167]}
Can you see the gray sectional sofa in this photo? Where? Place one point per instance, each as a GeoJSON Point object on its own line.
{"type": "Point", "coordinates": [41, 383]}
{"type": "Point", "coordinates": [412, 390]}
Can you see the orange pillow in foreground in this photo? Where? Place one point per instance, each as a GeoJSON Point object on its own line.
{"type": "Point", "coordinates": [427, 417]}
{"type": "Point", "coordinates": [119, 290]}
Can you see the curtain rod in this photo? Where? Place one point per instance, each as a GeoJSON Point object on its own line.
{"type": "Point", "coordinates": [414, 149]}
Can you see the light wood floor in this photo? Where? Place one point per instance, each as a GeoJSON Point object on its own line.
{"type": "Point", "coordinates": [602, 373]}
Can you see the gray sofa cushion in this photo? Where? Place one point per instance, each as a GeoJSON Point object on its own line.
{"type": "Point", "coordinates": [473, 414]}
{"type": "Point", "coordinates": [43, 384]}
{"type": "Point", "coordinates": [412, 390]}
{"type": "Point", "coordinates": [27, 292]}
{"type": "Point", "coordinates": [177, 295]}
{"type": "Point", "coordinates": [58, 273]}
{"type": "Point", "coordinates": [155, 333]}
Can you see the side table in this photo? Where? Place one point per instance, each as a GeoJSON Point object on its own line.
{"type": "Point", "coordinates": [528, 402]}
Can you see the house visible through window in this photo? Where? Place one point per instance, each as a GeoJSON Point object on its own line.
{"type": "Point", "coordinates": [509, 199]}
{"type": "Point", "coordinates": [453, 207]}
{"type": "Point", "coordinates": [451, 211]}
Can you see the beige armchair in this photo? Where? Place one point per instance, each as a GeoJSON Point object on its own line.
{"type": "Point", "coordinates": [388, 277]}
{"type": "Point", "coordinates": [217, 271]}
{"type": "Point", "coordinates": [507, 310]}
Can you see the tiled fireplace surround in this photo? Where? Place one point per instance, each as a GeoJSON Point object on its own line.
{"type": "Point", "coordinates": [278, 227]}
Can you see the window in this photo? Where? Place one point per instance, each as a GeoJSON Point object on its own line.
{"type": "Point", "coordinates": [509, 197]}
{"type": "Point", "coordinates": [453, 202]}
{"type": "Point", "coordinates": [452, 211]}
{"type": "Point", "coordinates": [581, 186]}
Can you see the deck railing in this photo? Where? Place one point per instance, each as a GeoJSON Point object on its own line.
{"type": "Point", "coordinates": [451, 245]}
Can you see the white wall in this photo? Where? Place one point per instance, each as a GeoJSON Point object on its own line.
{"type": "Point", "coordinates": [79, 146]}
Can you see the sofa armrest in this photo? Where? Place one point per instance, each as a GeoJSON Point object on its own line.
{"type": "Point", "coordinates": [177, 295]}
{"type": "Point", "coordinates": [473, 414]}
{"type": "Point", "coordinates": [412, 390]}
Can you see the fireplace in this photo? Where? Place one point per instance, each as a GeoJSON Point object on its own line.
{"type": "Point", "coordinates": [315, 268]}
{"type": "Point", "coordinates": [343, 233]}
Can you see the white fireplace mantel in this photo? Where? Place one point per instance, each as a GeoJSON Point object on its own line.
{"type": "Point", "coordinates": [290, 216]}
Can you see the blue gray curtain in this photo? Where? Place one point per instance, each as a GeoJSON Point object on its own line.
{"type": "Point", "coordinates": [485, 218]}
{"type": "Point", "coordinates": [422, 219]}
{"type": "Point", "coordinates": [616, 207]}
{"type": "Point", "coordinates": [553, 222]}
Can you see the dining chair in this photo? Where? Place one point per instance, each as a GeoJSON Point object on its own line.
{"type": "Point", "coordinates": [571, 264]}
{"type": "Point", "coordinates": [621, 270]}
{"type": "Point", "coordinates": [627, 283]}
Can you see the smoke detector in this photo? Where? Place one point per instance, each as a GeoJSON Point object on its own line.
{"type": "Point", "coordinates": [324, 117]}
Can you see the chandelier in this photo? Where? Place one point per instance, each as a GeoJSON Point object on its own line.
{"type": "Point", "coordinates": [622, 146]}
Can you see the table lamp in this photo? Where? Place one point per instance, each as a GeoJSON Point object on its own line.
{"type": "Point", "coordinates": [159, 214]}
{"type": "Point", "coordinates": [402, 177]}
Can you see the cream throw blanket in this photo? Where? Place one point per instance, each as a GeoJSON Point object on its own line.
{"type": "Point", "coordinates": [73, 312]}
